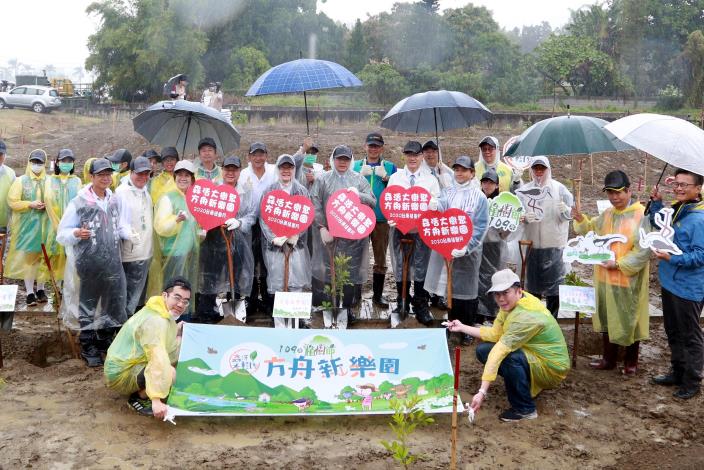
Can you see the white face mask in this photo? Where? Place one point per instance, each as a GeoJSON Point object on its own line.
{"type": "Point", "coordinates": [37, 168]}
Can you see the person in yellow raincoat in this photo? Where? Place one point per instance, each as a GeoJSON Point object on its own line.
{"type": "Point", "coordinates": [7, 176]}
{"type": "Point", "coordinates": [140, 361]}
{"type": "Point", "coordinates": [164, 181]}
{"type": "Point", "coordinates": [621, 285]}
{"type": "Point", "coordinates": [120, 161]}
{"type": "Point", "coordinates": [86, 170]}
{"type": "Point", "coordinates": [29, 220]}
{"type": "Point", "coordinates": [525, 346]}
{"type": "Point", "coordinates": [59, 189]}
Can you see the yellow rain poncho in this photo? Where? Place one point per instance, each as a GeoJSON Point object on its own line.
{"type": "Point", "coordinates": [86, 171]}
{"type": "Point", "coordinates": [503, 170]}
{"type": "Point", "coordinates": [27, 228]}
{"type": "Point", "coordinates": [160, 185]}
{"type": "Point", "coordinates": [147, 341]}
{"type": "Point", "coordinates": [621, 294]}
{"type": "Point", "coordinates": [58, 192]}
{"type": "Point", "coordinates": [7, 176]}
{"type": "Point", "coordinates": [531, 328]}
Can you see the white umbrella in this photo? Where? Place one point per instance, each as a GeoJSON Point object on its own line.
{"type": "Point", "coordinates": [675, 141]}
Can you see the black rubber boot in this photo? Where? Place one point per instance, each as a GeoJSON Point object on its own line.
{"type": "Point", "coordinates": [420, 304]}
{"type": "Point", "coordinates": [378, 287]}
{"type": "Point", "coordinates": [553, 304]}
{"type": "Point", "coordinates": [399, 292]}
{"type": "Point", "coordinates": [89, 348]}
{"type": "Point", "coordinates": [349, 299]}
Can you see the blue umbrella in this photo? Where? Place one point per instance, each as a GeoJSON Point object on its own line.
{"type": "Point", "coordinates": [437, 111]}
{"type": "Point", "coordinates": [183, 123]}
{"type": "Point", "coordinates": [303, 75]}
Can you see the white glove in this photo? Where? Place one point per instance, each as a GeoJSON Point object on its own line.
{"type": "Point", "coordinates": [292, 240]}
{"type": "Point", "coordinates": [562, 207]}
{"type": "Point", "coordinates": [279, 241]}
{"type": "Point", "coordinates": [325, 236]}
{"type": "Point", "coordinates": [135, 238]}
{"type": "Point", "coordinates": [202, 233]}
{"type": "Point", "coordinates": [233, 224]}
{"type": "Point", "coordinates": [366, 170]}
{"type": "Point", "coordinates": [380, 171]}
{"type": "Point", "coordinates": [354, 190]}
{"type": "Point", "coordinates": [392, 223]}
{"type": "Point", "coordinates": [517, 175]}
{"type": "Point", "coordinates": [531, 217]}
{"type": "Point", "coordinates": [459, 253]}
{"type": "Point", "coordinates": [433, 204]}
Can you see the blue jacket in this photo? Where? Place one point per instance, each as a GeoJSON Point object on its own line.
{"type": "Point", "coordinates": [683, 275]}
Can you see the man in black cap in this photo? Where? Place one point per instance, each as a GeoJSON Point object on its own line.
{"type": "Point", "coordinates": [91, 230]}
{"type": "Point", "coordinates": [154, 160]}
{"type": "Point", "coordinates": [432, 161]}
{"type": "Point", "coordinates": [207, 169]}
{"type": "Point", "coordinates": [377, 172]}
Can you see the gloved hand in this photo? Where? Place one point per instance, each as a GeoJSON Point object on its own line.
{"type": "Point", "coordinates": [233, 224]}
{"type": "Point", "coordinates": [202, 233]}
{"type": "Point", "coordinates": [325, 236]}
{"type": "Point", "coordinates": [563, 208]}
{"type": "Point", "coordinates": [391, 223]}
{"type": "Point", "coordinates": [279, 241]}
{"type": "Point", "coordinates": [354, 190]}
{"type": "Point", "coordinates": [433, 204]}
{"type": "Point", "coordinates": [292, 240]}
{"type": "Point", "coordinates": [517, 175]}
{"type": "Point", "coordinates": [366, 170]}
{"type": "Point", "coordinates": [135, 238]}
{"type": "Point", "coordinates": [459, 253]}
{"type": "Point", "coordinates": [531, 217]}
{"type": "Point", "coordinates": [380, 171]}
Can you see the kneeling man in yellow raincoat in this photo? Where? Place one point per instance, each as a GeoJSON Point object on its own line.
{"type": "Point", "coordinates": [525, 346]}
{"type": "Point", "coordinates": [141, 358]}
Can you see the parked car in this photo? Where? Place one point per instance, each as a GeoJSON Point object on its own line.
{"type": "Point", "coordinates": [38, 98]}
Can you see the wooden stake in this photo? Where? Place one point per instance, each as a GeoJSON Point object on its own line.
{"type": "Point", "coordinates": [453, 455]}
{"type": "Point", "coordinates": [591, 165]}
{"type": "Point", "coordinates": [524, 256]}
{"type": "Point", "coordinates": [448, 266]}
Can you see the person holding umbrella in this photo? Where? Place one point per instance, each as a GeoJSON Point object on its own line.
{"type": "Point", "coordinates": [489, 158]}
{"type": "Point", "coordinates": [208, 169]}
{"type": "Point", "coordinates": [163, 182]}
{"type": "Point", "coordinates": [547, 225]}
{"type": "Point", "coordinates": [341, 176]}
{"type": "Point", "coordinates": [465, 196]}
{"type": "Point", "coordinates": [412, 175]}
{"type": "Point", "coordinates": [377, 172]}
{"type": "Point", "coordinates": [621, 285]}
{"type": "Point", "coordinates": [436, 167]}
{"type": "Point", "coordinates": [682, 288]}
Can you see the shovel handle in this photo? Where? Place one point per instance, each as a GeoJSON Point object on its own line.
{"type": "Point", "coordinates": [406, 252]}
{"type": "Point", "coordinates": [230, 264]}
{"type": "Point", "coordinates": [524, 256]}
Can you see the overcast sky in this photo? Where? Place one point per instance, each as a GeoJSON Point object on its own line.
{"type": "Point", "coordinates": [42, 32]}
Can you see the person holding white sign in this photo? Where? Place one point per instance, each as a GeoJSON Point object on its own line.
{"type": "Point", "coordinates": [621, 286]}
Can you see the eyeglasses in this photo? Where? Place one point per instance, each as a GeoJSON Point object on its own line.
{"type": "Point", "coordinates": [676, 185]}
{"type": "Point", "coordinates": [181, 300]}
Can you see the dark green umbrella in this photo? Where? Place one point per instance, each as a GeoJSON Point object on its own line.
{"type": "Point", "coordinates": [566, 135]}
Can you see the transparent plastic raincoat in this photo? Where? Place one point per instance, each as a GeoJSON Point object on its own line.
{"type": "Point", "coordinates": [160, 185]}
{"type": "Point", "coordinates": [7, 176]}
{"type": "Point", "coordinates": [465, 269]}
{"type": "Point", "coordinates": [27, 227]}
{"type": "Point", "coordinates": [545, 270]}
{"type": "Point", "coordinates": [59, 191]}
{"type": "Point", "coordinates": [146, 342]}
{"type": "Point", "coordinates": [621, 294]}
{"type": "Point", "coordinates": [299, 269]}
{"type": "Point", "coordinates": [531, 328]}
{"type": "Point", "coordinates": [494, 255]}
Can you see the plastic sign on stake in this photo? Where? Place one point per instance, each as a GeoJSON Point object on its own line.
{"type": "Point", "coordinates": [404, 206]}
{"type": "Point", "coordinates": [212, 205]}
{"type": "Point", "coordinates": [505, 212]}
{"type": "Point", "coordinates": [445, 231]}
{"type": "Point", "coordinates": [347, 217]}
{"type": "Point", "coordinates": [286, 215]}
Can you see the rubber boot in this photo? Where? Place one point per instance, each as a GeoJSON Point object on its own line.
{"type": "Point", "coordinates": [457, 312]}
{"type": "Point", "coordinates": [89, 348]}
{"type": "Point", "coordinates": [420, 304]}
{"type": "Point", "coordinates": [378, 288]}
{"type": "Point", "coordinates": [608, 360]}
{"type": "Point", "coordinates": [630, 361]}
{"type": "Point", "coordinates": [399, 293]}
{"type": "Point", "coordinates": [349, 299]}
{"type": "Point", "coordinates": [552, 302]}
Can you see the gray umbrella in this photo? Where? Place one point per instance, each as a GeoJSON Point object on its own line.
{"type": "Point", "coordinates": [182, 124]}
{"type": "Point", "coordinates": [435, 111]}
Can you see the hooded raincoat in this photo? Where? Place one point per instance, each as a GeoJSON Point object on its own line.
{"type": "Point", "coordinates": [7, 176]}
{"type": "Point", "coordinates": [621, 294]}
{"type": "Point", "coordinates": [146, 342]}
{"type": "Point", "coordinates": [504, 171]}
{"type": "Point", "coordinates": [160, 185]}
{"type": "Point", "coordinates": [59, 191]}
{"type": "Point", "coordinates": [494, 254]}
{"type": "Point", "coordinates": [465, 269]}
{"type": "Point", "coordinates": [531, 328]}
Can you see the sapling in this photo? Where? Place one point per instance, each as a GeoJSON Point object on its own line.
{"type": "Point", "coordinates": [406, 418]}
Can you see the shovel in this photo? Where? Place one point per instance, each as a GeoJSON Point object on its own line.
{"type": "Point", "coordinates": [524, 250]}
{"type": "Point", "coordinates": [231, 307]}
{"type": "Point", "coordinates": [57, 296]}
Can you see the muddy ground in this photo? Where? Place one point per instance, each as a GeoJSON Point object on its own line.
{"type": "Point", "coordinates": [56, 413]}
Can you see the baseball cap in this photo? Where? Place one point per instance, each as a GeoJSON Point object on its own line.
{"type": "Point", "coordinates": [490, 175]}
{"type": "Point", "coordinates": [342, 151]}
{"type": "Point", "coordinates": [502, 280]}
{"type": "Point", "coordinates": [100, 164]}
{"type": "Point", "coordinates": [257, 146]}
{"type": "Point", "coordinates": [412, 146]}
{"type": "Point", "coordinates": [140, 164]}
{"type": "Point", "coordinates": [65, 153]}
{"type": "Point", "coordinates": [152, 154]}
{"type": "Point", "coordinates": [232, 160]}
{"type": "Point", "coordinates": [616, 180]}
{"type": "Point", "coordinates": [37, 154]}
{"type": "Point", "coordinates": [121, 156]}
{"type": "Point", "coordinates": [464, 161]}
{"type": "Point", "coordinates": [285, 158]}
{"type": "Point", "coordinates": [313, 147]}
{"type": "Point", "coordinates": [207, 141]}
{"type": "Point", "coordinates": [374, 138]}
{"type": "Point", "coordinates": [491, 140]}
{"type": "Point", "coordinates": [431, 144]}
{"type": "Point", "coordinates": [169, 152]}
{"type": "Point", "coordinates": [540, 161]}
{"type": "Point", "coordinates": [3, 147]}
{"type": "Point", "coordinates": [185, 165]}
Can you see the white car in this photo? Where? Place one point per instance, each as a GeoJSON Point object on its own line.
{"type": "Point", "coordinates": [38, 98]}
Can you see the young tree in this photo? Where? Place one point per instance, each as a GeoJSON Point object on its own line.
{"type": "Point", "coordinates": [694, 59]}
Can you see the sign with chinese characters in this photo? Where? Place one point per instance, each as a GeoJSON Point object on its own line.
{"type": "Point", "coordinates": [505, 212]}
{"type": "Point", "coordinates": [577, 299]}
{"type": "Point", "coordinates": [591, 248]}
{"type": "Point", "coordinates": [247, 371]}
{"type": "Point", "coordinates": [292, 304]}
{"type": "Point", "coordinates": [347, 217]}
{"type": "Point", "coordinates": [286, 215]}
{"type": "Point", "coordinates": [212, 205]}
{"type": "Point", "coordinates": [663, 239]}
{"type": "Point", "coordinates": [404, 206]}
{"type": "Point", "coordinates": [445, 231]}
{"type": "Point", "coordinates": [8, 296]}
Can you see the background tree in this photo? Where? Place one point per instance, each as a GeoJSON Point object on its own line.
{"type": "Point", "coordinates": [246, 65]}
{"type": "Point", "coordinates": [383, 82]}
{"type": "Point", "coordinates": [694, 65]}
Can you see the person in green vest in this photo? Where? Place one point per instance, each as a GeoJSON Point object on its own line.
{"type": "Point", "coordinates": [26, 199]}
{"type": "Point", "coordinates": [377, 172]}
{"type": "Point", "coordinates": [489, 158]}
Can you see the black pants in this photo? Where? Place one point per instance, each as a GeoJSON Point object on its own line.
{"type": "Point", "coordinates": [684, 336]}
{"type": "Point", "coordinates": [136, 281]}
{"type": "Point", "coordinates": [259, 286]}
{"type": "Point", "coordinates": [107, 291]}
